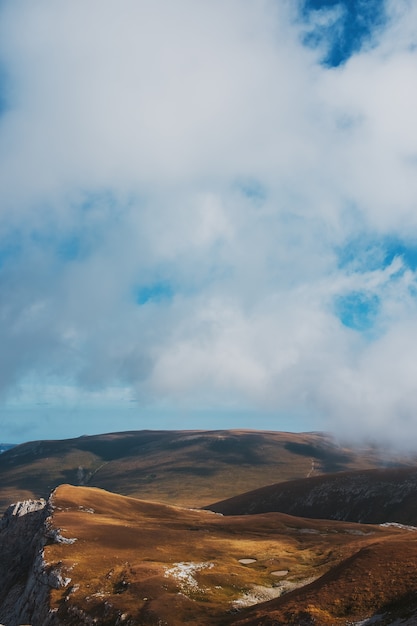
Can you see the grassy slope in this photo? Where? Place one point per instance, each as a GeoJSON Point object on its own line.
{"type": "Point", "coordinates": [183, 467]}
{"type": "Point", "coordinates": [371, 496]}
{"type": "Point", "coordinates": [379, 581]}
{"type": "Point", "coordinates": [125, 561]}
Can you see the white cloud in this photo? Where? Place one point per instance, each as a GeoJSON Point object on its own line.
{"type": "Point", "coordinates": [202, 146]}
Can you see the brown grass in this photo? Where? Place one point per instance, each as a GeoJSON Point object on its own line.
{"type": "Point", "coordinates": [379, 579]}
{"type": "Point", "coordinates": [192, 468]}
{"type": "Point", "coordinates": [126, 548]}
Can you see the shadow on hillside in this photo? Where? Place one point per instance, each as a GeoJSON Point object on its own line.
{"type": "Point", "coordinates": [331, 460]}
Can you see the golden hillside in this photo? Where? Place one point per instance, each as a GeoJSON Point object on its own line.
{"type": "Point", "coordinates": [144, 563]}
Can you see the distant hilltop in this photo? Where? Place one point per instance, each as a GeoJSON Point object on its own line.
{"type": "Point", "coordinates": [185, 468]}
{"type": "Point", "coordinates": [6, 446]}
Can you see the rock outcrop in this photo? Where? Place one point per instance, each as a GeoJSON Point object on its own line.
{"type": "Point", "coordinates": [25, 578]}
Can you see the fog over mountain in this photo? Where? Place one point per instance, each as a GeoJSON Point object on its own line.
{"type": "Point", "coordinates": [208, 216]}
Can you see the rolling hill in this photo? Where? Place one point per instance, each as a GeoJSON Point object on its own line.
{"type": "Point", "coordinates": [272, 556]}
{"type": "Point", "coordinates": [191, 468]}
{"type": "Point", "coordinates": [98, 557]}
{"type": "Point", "coordinates": [374, 587]}
{"type": "Point", "coordinates": [371, 496]}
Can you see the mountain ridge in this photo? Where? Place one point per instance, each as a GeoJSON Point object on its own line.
{"type": "Point", "coordinates": [371, 496]}
{"type": "Point", "coordinates": [192, 468]}
{"type": "Point", "coordinates": [117, 559]}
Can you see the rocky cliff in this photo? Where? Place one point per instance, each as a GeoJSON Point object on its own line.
{"type": "Point", "coordinates": [25, 577]}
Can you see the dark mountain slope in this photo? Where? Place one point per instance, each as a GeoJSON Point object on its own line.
{"type": "Point", "coordinates": [371, 496]}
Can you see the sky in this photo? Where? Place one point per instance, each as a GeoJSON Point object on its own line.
{"type": "Point", "coordinates": [208, 217]}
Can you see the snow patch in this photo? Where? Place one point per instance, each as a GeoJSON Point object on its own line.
{"type": "Point", "coordinates": [184, 573]}
{"type": "Point", "coordinates": [397, 525]}
{"type": "Point", "coordinates": [256, 595]}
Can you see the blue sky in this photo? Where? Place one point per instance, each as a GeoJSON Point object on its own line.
{"type": "Point", "coordinates": [208, 216]}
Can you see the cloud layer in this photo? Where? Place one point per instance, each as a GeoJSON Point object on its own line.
{"type": "Point", "coordinates": [198, 209]}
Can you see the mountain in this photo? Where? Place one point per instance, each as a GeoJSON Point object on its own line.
{"type": "Point", "coordinates": [87, 556]}
{"type": "Point", "coordinates": [191, 468]}
{"type": "Point", "coordinates": [6, 446]}
{"type": "Point", "coordinates": [372, 496]}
